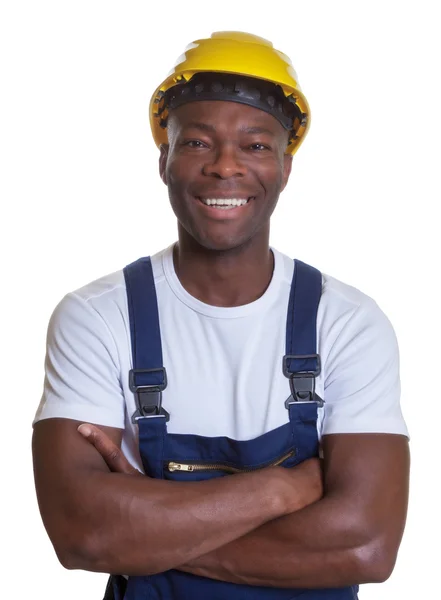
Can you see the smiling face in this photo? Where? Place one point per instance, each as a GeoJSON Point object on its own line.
{"type": "Point", "coordinates": [220, 151]}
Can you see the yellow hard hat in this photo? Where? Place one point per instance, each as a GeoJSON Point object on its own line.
{"type": "Point", "coordinates": [239, 53]}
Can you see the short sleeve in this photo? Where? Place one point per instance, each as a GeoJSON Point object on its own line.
{"type": "Point", "coordinates": [82, 374]}
{"type": "Point", "coordinates": [362, 376]}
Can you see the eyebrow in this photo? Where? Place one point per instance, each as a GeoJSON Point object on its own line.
{"type": "Point", "coordinates": [212, 128]}
{"type": "Point", "coordinates": [201, 126]}
{"type": "Point", "coordinates": [257, 130]}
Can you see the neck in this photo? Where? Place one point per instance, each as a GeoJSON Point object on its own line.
{"type": "Point", "coordinates": [224, 278]}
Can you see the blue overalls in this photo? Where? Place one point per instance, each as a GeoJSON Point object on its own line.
{"type": "Point", "coordinates": [187, 457]}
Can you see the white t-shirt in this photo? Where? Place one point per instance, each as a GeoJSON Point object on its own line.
{"type": "Point", "coordinates": [224, 365]}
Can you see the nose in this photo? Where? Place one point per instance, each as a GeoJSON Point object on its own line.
{"type": "Point", "coordinates": [224, 163]}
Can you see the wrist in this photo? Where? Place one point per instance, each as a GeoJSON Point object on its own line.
{"type": "Point", "coordinates": [283, 497]}
{"type": "Point", "coordinates": [299, 486]}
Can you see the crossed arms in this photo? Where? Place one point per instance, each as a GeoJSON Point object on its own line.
{"type": "Point", "coordinates": [274, 527]}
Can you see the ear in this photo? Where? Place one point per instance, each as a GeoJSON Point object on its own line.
{"type": "Point", "coordinates": [287, 166]}
{"type": "Point", "coordinates": [163, 161]}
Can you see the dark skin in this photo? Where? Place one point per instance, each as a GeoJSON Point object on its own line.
{"type": "Point", "coordinates": [270, 527]}
{"type": "Point", "coordinates": [349, 537]}
{"type": "Point", "coordinates": [96, 518]}
{"type": "Point", "coordinates": [224, 149]}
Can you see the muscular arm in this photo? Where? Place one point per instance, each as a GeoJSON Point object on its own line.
{"type": "Point", "coordinates": [99, 520]}
{"type": "Point", "coordinates": [351, 536]}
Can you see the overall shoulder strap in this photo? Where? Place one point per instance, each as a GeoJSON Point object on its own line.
{"type": "Point", "coordinates": [301, 362]}
{"type": "Point", "coordinates": [147, 378]}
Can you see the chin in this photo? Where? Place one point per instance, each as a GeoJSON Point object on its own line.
{"type": "Point", "coordinates": [220, 238]}
{"type": "Point", "coordinates": [222, 244]}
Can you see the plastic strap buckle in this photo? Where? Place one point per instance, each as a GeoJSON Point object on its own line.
{"type": "Point", "coordinates": [148, 398]}
{"type": "Point", "coordinates": [302, 383]}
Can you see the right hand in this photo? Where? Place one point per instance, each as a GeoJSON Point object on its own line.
{"type": "Point", "coordinates": [112, 455]}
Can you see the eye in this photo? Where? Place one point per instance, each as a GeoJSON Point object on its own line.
{"type": "Point", "coordinates": [194, 144]}
{"type": "Point", "coordinates": [259, 147]}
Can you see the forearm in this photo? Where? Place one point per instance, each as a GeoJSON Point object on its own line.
{"type": "Point", "coordinates": [120, 523]}
{"type": "Point", "coordinates": [350, 536]}
{"type": "Point", "coordinates": [138, 525]}
{"type": "Point", "coordinates": [316, 547]}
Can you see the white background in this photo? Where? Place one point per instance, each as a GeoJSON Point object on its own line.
{"type": "Point", "coordinates": [81, 197]}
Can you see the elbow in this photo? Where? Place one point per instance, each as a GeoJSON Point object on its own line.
{"type": "Point", "coordinates": [75, 546]}
{"type": "Point", "coordinates": [95, 552]}
{"type": "Point", "coordinates": [70, 560]}
{"type": "Point", "coordinates": [376, 562]}
{"type": "Point", "coordinates": [77, 553]}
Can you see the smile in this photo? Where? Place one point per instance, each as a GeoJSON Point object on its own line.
{"type": "Point", "coordinates": [225, 203]}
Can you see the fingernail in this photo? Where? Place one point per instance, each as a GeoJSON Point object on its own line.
{"type": "Point", "coordinates": [85, 430]}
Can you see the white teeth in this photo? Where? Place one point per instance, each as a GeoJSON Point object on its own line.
{"type": "Point", "coordinates": [224, 202]}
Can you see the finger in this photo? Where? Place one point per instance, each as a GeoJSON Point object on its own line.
{"type": "Point", "coordinates": [113, 456]}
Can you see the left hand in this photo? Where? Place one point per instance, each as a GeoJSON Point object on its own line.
{"type": "Point", "coordinates": [113, 456]}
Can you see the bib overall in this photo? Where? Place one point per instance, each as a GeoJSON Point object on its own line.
{"type": "Point", "coordinates": [187, 457]}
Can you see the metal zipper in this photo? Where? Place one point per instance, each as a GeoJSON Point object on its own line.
{"type": "Point", "coordinates": [191, 467]}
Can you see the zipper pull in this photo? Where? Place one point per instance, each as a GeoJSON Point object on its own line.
{"type": "Point", "coordinates": [173, 466]}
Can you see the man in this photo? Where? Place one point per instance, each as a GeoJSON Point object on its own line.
{"type": "Point", "coordinates": [217, 368]}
